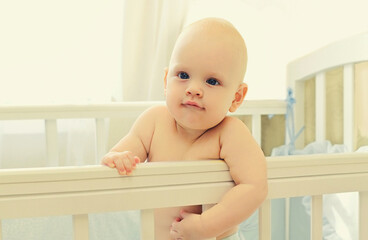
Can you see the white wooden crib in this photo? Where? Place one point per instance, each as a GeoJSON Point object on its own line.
{"type": "Point", "coordinates": [79, 191]}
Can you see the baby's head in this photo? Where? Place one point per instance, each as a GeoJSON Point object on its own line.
{"type": "Point", "coordinates": [205, 73]}
{"type": "Point", "coordinates": [217, 35]}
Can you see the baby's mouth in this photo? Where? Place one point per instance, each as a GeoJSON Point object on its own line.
{"type": "Point", "coordinates": [192, 104]}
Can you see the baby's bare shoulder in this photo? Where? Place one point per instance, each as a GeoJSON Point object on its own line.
{"type": "Point", "coordinates": [154, 112]}
{"type": "Point", "coordinates": [147, 121]}
{"type": "Point", "coordinates": [232, 124]}
{"type": "Point", "coordinates": [155, 116]}
{"type": "Point", "coordinates": [233, 129]}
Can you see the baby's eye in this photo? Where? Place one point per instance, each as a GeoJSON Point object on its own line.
{"type": "Point", "coordinates": [183, 75]}
{"type": "Point", "coordinates": [212, 81]}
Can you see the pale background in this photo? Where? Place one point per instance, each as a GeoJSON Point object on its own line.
{"type": "Point", "coordinates": [71, 51]}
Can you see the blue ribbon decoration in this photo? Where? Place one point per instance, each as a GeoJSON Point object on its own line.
{"type": "Point", "coordinates": [289, 121]}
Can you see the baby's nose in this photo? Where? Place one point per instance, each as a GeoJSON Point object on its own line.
{"type": "Point", "coordinates": [194, 90]}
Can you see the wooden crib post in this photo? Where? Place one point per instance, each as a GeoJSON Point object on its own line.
{"type": "Point", "coordinates": [52, 149]}
{"type": "Point", "coordinates": [363, 215]}
{"type": "Point", "coordinates": [100, 139]}
{"type": "Point", "coordinates": [321, 106]}
{"type": "Point", "coordinates": [316, 218]}
{"type": "Point", "coordinates": [256, 128]}
{"type": "Point", "coordinates": [264, 216]}
{"type": "Point", "coordinates": [80, 225]}
{"type": "Point", "coordinates": [287, 218]}
{"type": "Point", "coordinates": [147, 224]}
{"type": "Point", "coordinates": [299, 87]}
{"type": "Point", "coordinates": [349, 106]}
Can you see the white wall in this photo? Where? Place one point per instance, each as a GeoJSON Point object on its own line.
{"type": "Point", "coordinates": [278, 31]}
{"type": "Point", "coordinates": [73, 47]}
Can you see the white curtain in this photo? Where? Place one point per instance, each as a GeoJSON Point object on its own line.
{"type": "Point", "coordinates": [150, 29]}
{"type": "Point", "coordinates": [142, 33]}
{"type": "Point", "coordinates": [56, 52]}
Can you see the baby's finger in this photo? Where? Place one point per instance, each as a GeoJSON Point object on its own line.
{"type": "Point", "coordinates": [110, 164]}
{"type": "Point", "coordinates": [174, 234]}
{"type": "Point", "coordinates": [128, 164]}
{"type": "Point", "coordinates": [137, 159]}
{"type": "Point", "coordinates": [107, 161]}
{"type": "Point", "coordinates": [120, 166]}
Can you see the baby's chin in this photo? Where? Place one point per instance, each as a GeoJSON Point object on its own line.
{"type": "Point", "coordinates": [201, 126]}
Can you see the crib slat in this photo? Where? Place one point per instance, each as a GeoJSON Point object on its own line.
{"type": "Point", "coordinates": [287, 218]}
{"type": "Point", "coordinates": [52, 149]}
{"type": "Point", "coordinates": [299, 87]}
{"type": "Point", "coordinates": [264, 216]}
{"type": "Point", "coordinates": [100, 139]}
{"type": "Point", "coordinates": [256, 128]}
{"type": "Point", "coordinates": [1, 231]}
{"type": "Point", "coordinates": [147, 224]}
{"type": "Point", "coordinates": [363, 215]}
{"type": "Point", "coordinates": [316, 218]}
{"type": "Point", "coordinates": [349, 106]}
{"type": "Point", "coordinates": [320, 106]}
{"type": "Point", "coordinates": [80, 225]}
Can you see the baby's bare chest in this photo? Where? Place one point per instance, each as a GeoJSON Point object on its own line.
{"type": "Point", "coordinates": [168, 146]}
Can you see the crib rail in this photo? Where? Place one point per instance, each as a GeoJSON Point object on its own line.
{"type": "Point", "coordinates": [118, 110]}
{"type": "Point", "coordinates": [79, 191]}
{"type": "Point", "coordinates": [100, 112]}
{"type": "Point", "coordinates": [82, 190]}
{"type": "Point", "coordinates": [345, 53]}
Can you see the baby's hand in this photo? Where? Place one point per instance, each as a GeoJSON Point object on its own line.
{"type": "Point", "coordinates": [188, 227]}
{"type": "Point", "coordinates": [124, 162]}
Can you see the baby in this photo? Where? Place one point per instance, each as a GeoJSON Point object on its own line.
{"type": "Point", "coordinates": [204, 80]}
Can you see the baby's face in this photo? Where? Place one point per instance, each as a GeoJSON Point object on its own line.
{"type": "Point", "coordinates": [203, 78]}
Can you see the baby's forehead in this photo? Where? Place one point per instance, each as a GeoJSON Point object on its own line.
{"type": "Point", "coordinates": [211, 22]}
{"type": "Point", "coordinates": [212, 26]}
{"type": "Point", "coordinates": [213, 31]}
{"type": "Point", "coordinates": [216, 36]}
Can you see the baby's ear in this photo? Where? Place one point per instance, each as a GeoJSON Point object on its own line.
{"type": "Point", "coordinates": [166, 70]}
{"type": "Point", "coordinates": [239, 97]}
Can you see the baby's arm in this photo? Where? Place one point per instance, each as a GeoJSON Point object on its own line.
{"type": "Point", "coordinates": [134, 147]}
{"type": "Point", "coordinates": [248, 169]}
